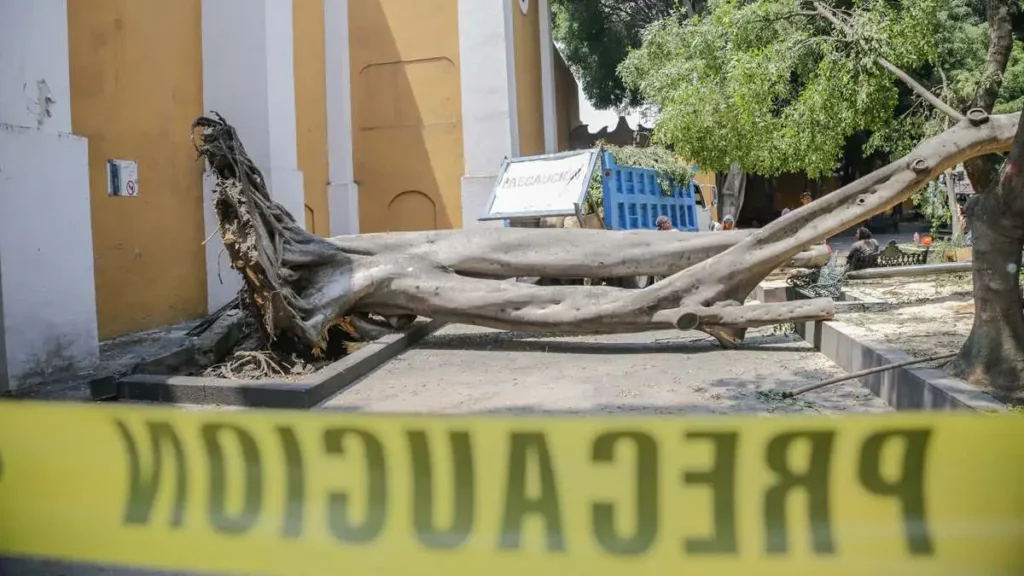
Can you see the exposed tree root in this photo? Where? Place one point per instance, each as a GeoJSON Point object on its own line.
{"type": "Point", "coordinates": [302, 283]}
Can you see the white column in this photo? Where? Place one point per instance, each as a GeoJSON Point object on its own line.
{"type": "Point", "coordinates": [489, 121]}
{"type": "Point", "coordinates": [249, 78]}
{"type": "Point", "coordinates": [509, 11]}
{"type": "Point", "coordinates": [47, 287]}
{"type": "Point", "coordinates": [342, 191]}
{"type": "Point", "coordinates": [547, 78]}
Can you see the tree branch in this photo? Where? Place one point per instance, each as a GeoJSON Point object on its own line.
{"type": "Point", "coordinates": [984, 172]}
{"type": "Point", "coordinates": [907, 79]}
{"type": "Point", "coordinates": [1000, 45]}
{"type": "Point", "coordinates": [744, 265]}
{"type": "Point", "coordinates": [750, 316]}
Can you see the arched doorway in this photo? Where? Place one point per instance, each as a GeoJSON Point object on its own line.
{"type": "Point", "coordinates": [412, 211]}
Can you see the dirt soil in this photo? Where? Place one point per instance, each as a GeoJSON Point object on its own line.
{"type": "Point", "coordinates": [464, 369]}
{"type": "Point", "coordinates": [914, 289]}
{"type": "Point", "coordinates": [927, 316]}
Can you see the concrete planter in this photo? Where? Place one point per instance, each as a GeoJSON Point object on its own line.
{"type": "Point", "coordinates": [302, 393]}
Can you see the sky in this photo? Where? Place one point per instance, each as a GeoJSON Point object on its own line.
{"type": "Point", "coordinates": [596, 119]}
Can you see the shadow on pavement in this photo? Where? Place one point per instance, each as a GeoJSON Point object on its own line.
{"type": "Point", "coordinates": [523, 342]}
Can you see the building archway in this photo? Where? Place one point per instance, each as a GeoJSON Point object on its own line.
{"type": "Point", "coordinates": [412, 211]}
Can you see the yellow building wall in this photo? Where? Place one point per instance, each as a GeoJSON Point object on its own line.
{"type": "Point", "coordinates": [407, 114]}
{"type": "Point", "coordinates": [529, 98]}
{"type": "Point", "coordinates": [311, 110]}
{"type": "Point", "coordinates": [136, 87]}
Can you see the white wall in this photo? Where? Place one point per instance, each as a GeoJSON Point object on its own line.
{"type": "Point", "coordinates": [342, 191]}
{"type": "Point", "coordinates": [547, 72]}
{"type": "Point", "coordinates": [32, 63]}
{"type": "Point", "coordinates": [249, 77]}
{"type": "Point", "coordinates": [489, 121]}
{"type": "Point", "coordinates": [47, 287]}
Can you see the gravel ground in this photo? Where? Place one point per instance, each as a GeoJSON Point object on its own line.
{"type": "Point", "coordinates": [928, 315]}
{"type": "Point", "coordinates": [464, 369]}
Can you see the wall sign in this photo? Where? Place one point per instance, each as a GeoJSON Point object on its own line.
{"type": "Point", "coordinates": [122, 178]}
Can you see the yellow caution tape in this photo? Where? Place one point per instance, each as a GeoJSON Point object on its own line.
{"type": "Point", "coordinates": [299, 493]}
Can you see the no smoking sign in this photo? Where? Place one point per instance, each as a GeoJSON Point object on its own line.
{"type": "Point", "coordinates": [122, 178]}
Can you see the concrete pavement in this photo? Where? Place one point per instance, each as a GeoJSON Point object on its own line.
{"type": "Point", "coordinates": [465, 369]}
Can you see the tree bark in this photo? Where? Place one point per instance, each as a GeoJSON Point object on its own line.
{"type": "Point", "coordinates": [302, 284]}
{"type": "Point", "coordinates": [733, 192]}
{"type": "Point", "coordinates": [993, 355]}
{"type": "Point", "coordinates": [1000, 45]}
{"type": "Point", "coordinates": [688, 4]}
{"type": "Point", "coordinates": [572, 252]}
{"type": "Point", "coordinates": [983, 171]}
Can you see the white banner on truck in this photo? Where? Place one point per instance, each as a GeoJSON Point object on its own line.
{"type": "Point", "coordinates": [539, 186]}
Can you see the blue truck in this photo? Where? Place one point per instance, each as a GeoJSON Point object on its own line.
{"type": "Point", "coordinates": [633, 199]}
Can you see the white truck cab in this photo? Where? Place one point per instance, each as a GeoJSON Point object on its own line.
{"type": "Point", "coordinates": [706, 197]}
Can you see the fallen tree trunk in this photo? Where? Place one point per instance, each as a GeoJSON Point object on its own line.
{"type": "Point", "coordinates": [904, 271]}
{"type": "Point", "coordinates": [569, 252]}
{"type": "Point", "coordinates": [815, 257]}
{"type": "Point", "coordinates": [302, 284]}
{"type": "Point", "coordinates": [572, 252]}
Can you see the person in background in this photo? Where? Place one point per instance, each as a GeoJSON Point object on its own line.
{"type": "Point", "coordinates": [862, 249]}
{"type": "Point", "coordinates": [663, 223]}
{"type": "Point", "coordinates": [728, 223]}
{"type": "Point", "coordinates": [968, 235]}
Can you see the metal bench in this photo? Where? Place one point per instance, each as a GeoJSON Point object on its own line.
{"type": "Point", "coordinates": [891, 255]}
{"type": "Point", "coordinates": [824, 282]}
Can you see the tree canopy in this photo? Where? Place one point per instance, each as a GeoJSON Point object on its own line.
{"type": "Point", "coordinates": [775, 87]}
{"type": "Point", "coordinates": [595, 37]}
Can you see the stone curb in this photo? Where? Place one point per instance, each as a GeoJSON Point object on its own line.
{"type": "Point", "coordinates": [304, 393]}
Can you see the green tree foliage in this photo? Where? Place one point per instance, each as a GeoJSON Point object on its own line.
{"type": "Point", "coordinates": [954, 70]}
{"type": "Point", "coordinates": [772, 85]}
{"type": "Point", "coordinates": [595, 37]}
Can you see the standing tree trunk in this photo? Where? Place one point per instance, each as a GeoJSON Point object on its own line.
{"type": "Point", "coordinates": [733, 192]}
{"type": "Point", "coordinates": [993, 354]}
